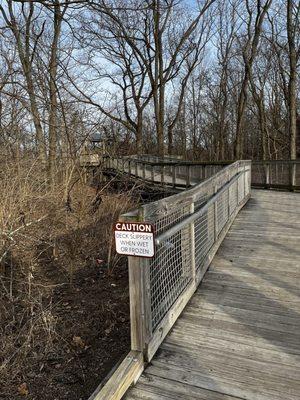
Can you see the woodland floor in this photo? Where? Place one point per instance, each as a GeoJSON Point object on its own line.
{"type": "Point", "coordinates": [92, 334]}
{"type": "Point", "coordinates": [64, 316]}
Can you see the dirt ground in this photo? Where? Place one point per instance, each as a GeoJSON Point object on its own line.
{"type": "Point", "coordinates": [64, 299]}
{"type": "Point", "coordinates": [92, 334]}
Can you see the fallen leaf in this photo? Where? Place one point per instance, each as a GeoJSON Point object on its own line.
{"type": "Point", "coordinates": [23, 389]}
{"type": "Point", "coordinates": [107, 331]}
{"type": "Point", "coordinates": [78, 341]}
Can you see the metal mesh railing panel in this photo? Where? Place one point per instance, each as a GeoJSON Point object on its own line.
{"type": "Point", "coordinates": [222, 211]}
{"type": "Point", "coordinates": [240, 188]}
{"type": "Point", "coordinates": [170, 273]}
{"type": "Point", "coordinates": [279, 174]}
{"type": "Point", "coordinates": [258, 174]}
{"type": "Point", "coordinates": [204, 236]}
{"type": "Point", "coordinates": [233, 193]}
{"type": "Point", "coordinates": [169, 218]}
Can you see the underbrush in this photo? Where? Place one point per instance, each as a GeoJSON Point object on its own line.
{"type": "Point", "coordinates": [48, 237]}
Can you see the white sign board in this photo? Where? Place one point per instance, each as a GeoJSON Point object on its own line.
{"type": "Point", "coordinates": [134, 239]}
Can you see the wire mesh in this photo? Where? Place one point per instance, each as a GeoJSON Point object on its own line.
{"type": "Point", "coordinates": [169, 218]}
{"type": "Point", "coordinates": [222, 211]}
{"type": "Point", "coordinates": [171, 269]}
{"type": "Point", "coordinates": [240, 188]}
{"type": "Point", "coordinates": [279, 174]}
{"type": "Point", "coordinates": [204, 236]}
{"type": "Point", "coordinates": [170, 273]}
{"type": "Point", "coordinates": [276, 173]}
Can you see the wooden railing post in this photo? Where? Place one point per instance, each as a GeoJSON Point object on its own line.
{"type": "Point", "coordinates": [188, 176]}
{"type": "Point", "coordinates": [292, 174]}
{"type": "Point", "coordinates": [174, 175]}
{"type": "Point", "coordinates": [267, 173]}
{"type": "Point", "coordinates": [136, 168]}
{"type": "Point", "coordinates": [162, 174]}
{"type": "Point", "coordinates": [192, 245]}
{"type": "Point", "coordinates": [228, 204]}
{"type": "Point", "coordinates": [244, 177]}
{"type": "Point", "coordinates": [129, 167]}
{"type": "Point", "coordinates": [237, 190]}
{"type": "Point", "coordinates": [152, 173]}
{"type": "Point", "coordinates": [215, 216]}
{"type": "Point", "coordinates": [144, 170]}
{"type": "Point", "coordinates": [136, 306]}
{"type": "Point", "coordinates": [139, 294]}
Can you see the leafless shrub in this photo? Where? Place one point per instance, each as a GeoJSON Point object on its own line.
{"type": "Point", "coordinates": [44, 240]}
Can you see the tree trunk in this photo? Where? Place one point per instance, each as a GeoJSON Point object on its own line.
{"type": "Point", "coordinates": [292, 106]}
{"type": "Point", "coordinates": [139, 134]}
{"type": "Point", "coordinates": [170, 140]}
{"type": "Point", "coordinates": [239, 133]}
{"type": "Point", "coordinates": [26, 59]}
{"type": "Point", "coordinates": [158, 90]}
{"type": "Point", "coordinates": [53, 93]}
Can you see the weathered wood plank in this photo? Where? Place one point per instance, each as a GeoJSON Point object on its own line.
{"type": "Point", "coordinates": [207, 379]}
{"type": "Point", "coordinates": [152, 387]}
{"type": "Point", "coordinates": [127, 373]}
{"type": "Point", "coordinates": [231, 364]}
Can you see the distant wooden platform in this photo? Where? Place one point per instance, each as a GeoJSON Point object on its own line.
{"type": "Point", "coordinates": [239, 336]}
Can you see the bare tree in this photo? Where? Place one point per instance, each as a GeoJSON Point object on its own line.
{"type": "Point", "coordinates": [293, 29]}
{"type": "Point", "coordinates": [27, 44]}
{"type": "Point", "coordinates": [256, 12]}
{"type": "Point", "coordinates": [162, 61]}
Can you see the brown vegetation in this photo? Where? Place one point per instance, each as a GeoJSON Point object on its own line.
{"type": "Point", "coordinates": [62, 307]}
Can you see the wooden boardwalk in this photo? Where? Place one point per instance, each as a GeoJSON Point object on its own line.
{"type": "Point", "coordinates": [239, 336]}
{"type": "Point", "coordinates": [155, 176]}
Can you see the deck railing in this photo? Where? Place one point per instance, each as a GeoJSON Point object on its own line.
{"type": "Point", "coordinates": [280, 174]}
{"type": "Point", "coordinates": [153, 158]}
{"type": "Point", "coordinates": [189, 228]}
{"type": "Point", "coordinates": [175, 173]}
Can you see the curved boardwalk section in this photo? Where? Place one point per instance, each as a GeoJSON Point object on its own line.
{"type": "Point", "coordinates": [239, 336]}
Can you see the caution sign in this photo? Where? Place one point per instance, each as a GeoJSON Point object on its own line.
{"type": "Point", "coordinates": [134, 239]}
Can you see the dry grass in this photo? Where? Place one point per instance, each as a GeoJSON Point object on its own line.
{"type": "Point", "coordinates": [46, 235]}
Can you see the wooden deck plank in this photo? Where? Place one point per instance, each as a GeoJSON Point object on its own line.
{"type": "Point", "coordinates": [239, 336]}
{"type": "Point", "coordinates": [152, 387]}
